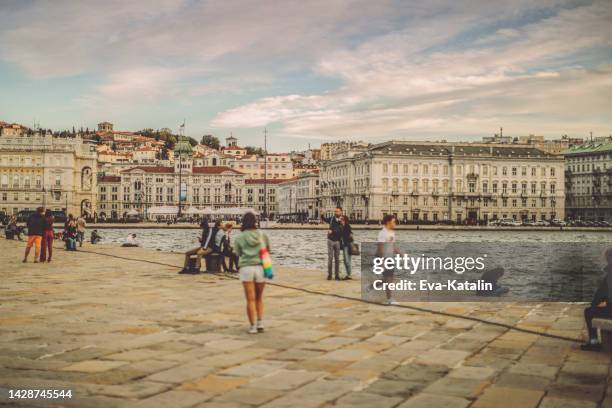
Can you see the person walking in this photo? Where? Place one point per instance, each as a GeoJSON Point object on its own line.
{"type": "Point", "coordinates": [387, 248]}
{"type": "Point", "coordinates": [248, 246]}
{"type": "Point", "coordinates": [333, 244]}
{"type": "Point", "coordinates": [47, 239]}
{"type": "Point", "coordinates": [346, 243]}
{"type": "Point", "coordinates": [201, 251]}
{"type": "Point", "coordinates": [81, 226]}
{"type": "Point", "coordinates": [36, 226]}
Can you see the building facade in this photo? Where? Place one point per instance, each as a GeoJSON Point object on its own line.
{"type": "Point", "coordinates": [42, 170]}
{"type": "Point", "coordinates": [445, 182]}
{"type": "Point", "coordinates": [588, 181]}
{"type": "Point", "coordinates": [262, 195]}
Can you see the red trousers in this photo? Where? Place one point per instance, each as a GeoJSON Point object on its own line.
{"type": "Point", "coordinates": [47, 246]}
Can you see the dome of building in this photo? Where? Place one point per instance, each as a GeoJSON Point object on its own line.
{"type": "Point", "coordinates": [183, 147]}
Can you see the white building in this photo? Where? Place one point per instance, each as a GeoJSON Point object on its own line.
{"type": "Point", "coordinates": [436, 181]}
{"type": "Point", "coordinates": [57, 173]}
{"type": "Point", "coordinates": [588, 181]}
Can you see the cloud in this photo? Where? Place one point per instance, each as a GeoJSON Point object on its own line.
{"type": "Point", "coordinates": [518, 76]}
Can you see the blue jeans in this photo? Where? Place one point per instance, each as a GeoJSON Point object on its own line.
{"type": "Point", "coordinates": [346, 257]}
{"type": "Point", "coordinates": [71, 244]}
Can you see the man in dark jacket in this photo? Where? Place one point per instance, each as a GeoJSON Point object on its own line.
{"type": "Point", "coordinates": [601, 306]}
{"type": "Point", "coordinates": [36, 226]}
{"type": "Point", "coordinates": [201, 251]}
{"type": "Point", "coordinates": [334, 234]}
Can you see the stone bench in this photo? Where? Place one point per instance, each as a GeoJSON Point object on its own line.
{"type": "Point", "coordinates": [213, 262]}
{"type": "Point", "coordinates": [605, 327]}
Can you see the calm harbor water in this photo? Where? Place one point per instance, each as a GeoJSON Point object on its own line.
{"type": "Point", "coordinates": [308, 248]}
{"type": "Point", "coordinates": [527, 261]}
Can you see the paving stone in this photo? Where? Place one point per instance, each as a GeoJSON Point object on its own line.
{"type": "Point", "coordinates": [182, 373]}
{"type": "Point", "coordinates": [449, 358]}
{"type": "Point", "coordinates": [366, 400]}
{"type": "Point", "coordinates": [249, 395]}
{"type": "Point", "coordinates": [457, 387]}
{"type": "Point", "coordinates": [214, 384]}
{"type": "Point", "coordinates": [472, 373]}
{"type": "Point", "coordinates": [534, 369]}
{"type": "Point", "coordinates": [508, 398]}
{"type": "Point", "coordinates": [530, 382]}
{"type": "Point", "coordinates": [424, 400]}
{"type": "Point", "coordinates": [257, 368]}
{"type": "Point", "coordinates": [550, 402]}
{"type": "Point", "coordinates": [417, 373]}
{"type": "Point", "coordinates": [94, 366]}
{"type": "Point", "coordinates": [285, 380]}
{"type": "Point", "coordinates": [313, 394]}
{"type": "Point", "coordinates": [583, 392]}
{"type": "Point", "coordinates": [394, 388]}
{"type": "Point", "coordinates": [174, 399]}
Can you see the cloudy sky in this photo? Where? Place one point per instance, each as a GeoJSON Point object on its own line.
{"type": "Point", "coordinates": [310, 71]}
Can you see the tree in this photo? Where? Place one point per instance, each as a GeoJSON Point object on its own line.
{"type": "Point", "coordinates": [210, 141]}
{"type": "Point", "coordinates": [255, 150]}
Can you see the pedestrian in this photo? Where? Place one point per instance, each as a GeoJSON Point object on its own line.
{"type": "Point", "coordinates": [70, 233]}
{"type": "Point", "coordinates": [387, 248]}
{"type": "Point", "coordinates": [81, 225]}
{"type": "Point", "coordinates": [48, 235]}
{"type": "Point", "coordinates": [228, 251]}
{"type": "Point", "coordinates": [201, 251]}
{"type": "Point", "coordinates": [333, 244]}
{"type": "Point", "coordinates": [601, 306]}
{"type": "Point", "coordinates": [346, 243]}
{"type": "Point", "coordinates": [249, 246]}
{"type": "Point", "coordinates": [219, 237]}
{"type": "Point", "coordinates": [36, 226]}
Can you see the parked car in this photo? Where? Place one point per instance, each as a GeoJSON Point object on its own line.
{"type": "Point", "coordinates": [529, 223]}
{"type": "Point", "coordinates": [541, 223]}
{"type": "Point", "coordinates": [558, 223]}
{"type": "Point", "coordinates": [509, 222]}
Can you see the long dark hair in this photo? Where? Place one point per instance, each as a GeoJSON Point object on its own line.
{"type": "Point", "coordinates": [249, 222]}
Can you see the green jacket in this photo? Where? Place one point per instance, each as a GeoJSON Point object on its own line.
{"type": "Point", "coordinates": [247, 246]}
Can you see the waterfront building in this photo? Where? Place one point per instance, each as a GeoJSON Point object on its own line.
{"type": "Point", "coordinates": [142, 187]}
{"type": "Point", "coordinates": [588, 181]}
{"type": "Point", "coordinates": [280, 166]}
{"type": "Point", "coordinates": [286, 196]}
{"type": "Point", "coordinates": [444, 182]}
{"type": "Point", "coordinates": [42, 170]}
{"type": "Point", "coordinates": [262, 195]}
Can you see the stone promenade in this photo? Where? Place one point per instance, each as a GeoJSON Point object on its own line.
{"type": "Point", "coordinates": [132, 333]}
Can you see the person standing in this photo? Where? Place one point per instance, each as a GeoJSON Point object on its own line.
{"type": "Point", "coordinates": [346, 242]}
{"type": "Point", "coordinates": [333, 244]}
{"type": "Point", "coordinates": [36, 226]}
{"type": "Point", "coordinates": [248, 246]}
{"type": "Point", "coordinates": [228, 251]}
{"type": "Point", "coordinates": [47, 238]}
{"type": "Point", "coordinates": [387, 248]}
{"type": "Point", "coordinates": [81, 226]}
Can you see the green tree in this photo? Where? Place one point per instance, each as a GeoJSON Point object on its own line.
{"type": "Point", "coordinates": [255, 150]}
{"type": "Point", "coordinates": [210, 141]}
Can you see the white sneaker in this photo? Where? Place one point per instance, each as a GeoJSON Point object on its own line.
{"type": "Point", "coordinates": [260, 326]}
{"type": "Point", "coordinates": [253, 329]}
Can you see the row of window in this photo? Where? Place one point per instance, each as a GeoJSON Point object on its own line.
{"type": "Point", "coordinates": [472, 187]}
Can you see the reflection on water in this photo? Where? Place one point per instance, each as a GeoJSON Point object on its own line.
{"type": "Point", "coordinates": [308, 248]}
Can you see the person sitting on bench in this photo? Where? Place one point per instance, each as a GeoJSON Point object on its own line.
{"type": "Point", "coordinates": [203, 250]}
{"type": "Point", "coordinates": [601, 306]}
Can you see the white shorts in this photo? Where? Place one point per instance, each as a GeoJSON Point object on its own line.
{"type": "Point", "coordinates": [252, 273]}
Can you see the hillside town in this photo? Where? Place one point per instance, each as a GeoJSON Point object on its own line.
{"type": "Point", "coordinates": [157, 175]}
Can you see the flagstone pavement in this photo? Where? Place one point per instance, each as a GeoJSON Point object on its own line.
{"type": "Point", "coordinates": [120, 328]}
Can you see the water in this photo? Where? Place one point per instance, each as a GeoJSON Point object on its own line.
{"type": "Point", "coordinates": [308, 248]}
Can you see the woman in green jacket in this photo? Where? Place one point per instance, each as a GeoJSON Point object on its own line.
{"type": "Point", "coordinates": [248, 246]}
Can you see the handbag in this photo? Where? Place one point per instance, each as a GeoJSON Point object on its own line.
{"type": "Point", "coordinates": [266, 259]}
{"type": "Point", "coordinates": [355, 249]}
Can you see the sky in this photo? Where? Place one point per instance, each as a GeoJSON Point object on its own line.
{"type": "Point", "coordinates": [310, 71]}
